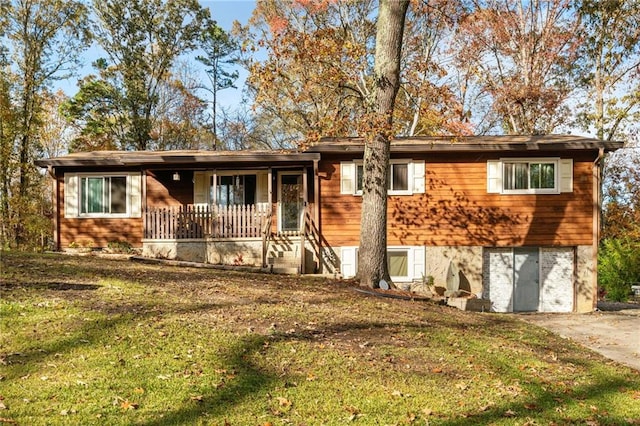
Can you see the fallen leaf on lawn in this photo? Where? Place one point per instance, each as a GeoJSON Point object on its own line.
{"type": "Point", "coordinates": [509, 413]}
{"type": "Point", "coordinates": [396, 393]}
{"type": "Point", "coordinates": [351, 409]}
{"type": "Point", "coordinates": [163, 377]}
{"type": "Point", "coordinates": [427, 411]}
{"type": "Point", "coordinates": [462, 386]}
{"type": "Point", "coordinates": [2, 406]}
{"type": "Point", "coordinates": [530, 406]}
{"type": "Point", "coordinates": [284, 402]}
{"type": "Point", "coordinates": [486, 407]}
{"type": "Point", "coordinates": [311, 377]}
{"type": "Point", "coordinates": [5, 420]}
{"type": "Point", "coordinates": [128, 405]}
{"type": "Point", "coordinates": [139, 391]}
{"type": "Point", "coordinates": [197, 398]}
{"type": "Point", "coordinates": [436, 370]}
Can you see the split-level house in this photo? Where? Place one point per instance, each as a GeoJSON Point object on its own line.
{"type": "Point", "coordinates": [510, 219]}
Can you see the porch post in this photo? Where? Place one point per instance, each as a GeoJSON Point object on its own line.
{"type": "Point", "coordinates": [317, 255]}
{"type": "Point", "coordinates": [303, 225]}
{"type": "Point", "coordinates": [56, 210]}
{"type": "Point", "coordinates": [143, 177]}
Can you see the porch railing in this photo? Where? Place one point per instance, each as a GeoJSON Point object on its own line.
{"type": "Point", "coordinates": [188, 221]}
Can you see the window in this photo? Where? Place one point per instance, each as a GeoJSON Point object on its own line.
{"type": "Point", "coordinates": [405, 263]}
{"type": "Point", "coordinates": [103, 195]}
{"type": "Point", "coordinates": [530, 176]}
{"type": "Point", "coordinates": [398, 263]}
{"type": "Point", "coordinates": [235, 190]}
{"type": "Point", "coordinates": [524, 176]}
{"type": "Point", "coordinates": [405, 177]}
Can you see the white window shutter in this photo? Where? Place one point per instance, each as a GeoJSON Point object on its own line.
{"type": "Point", "coordinates": [494, 176]}
{"type": "Point", "coordinates": [566, 175]}
{"type": "Point", "coordinates": [418, 262]}
{"type": "Point", "coordinates": [347, 177]}
{"type": "Point", "coordinates": [418, 177]}
{"type": "Point", "coordinates": [71, 195]}
{"type": "Point", "coordinates": [348, 262]}
{"type": "Point", "coordinates": [135, 194]}
{"type": "Point", "coordinates": [200, 186]}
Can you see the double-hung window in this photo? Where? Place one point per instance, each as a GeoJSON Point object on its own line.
{"type": "Point", "coordinates": [405, 177]}
{"type": "Point", "coordinates": [530, 176]}
{"type": "Point", "coordinates": [103, 195]}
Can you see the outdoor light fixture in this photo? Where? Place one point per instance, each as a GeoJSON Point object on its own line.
{"type": "Point", "coordinates": [176, 176]}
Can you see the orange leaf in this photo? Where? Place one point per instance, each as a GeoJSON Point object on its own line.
{"type": "Point", "coordinates": [128, 405]}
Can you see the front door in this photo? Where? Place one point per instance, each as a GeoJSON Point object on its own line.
{"type": "Point", "coordinates": [526, 279]}
{"type": "Point", "coordinates": [290, 201]}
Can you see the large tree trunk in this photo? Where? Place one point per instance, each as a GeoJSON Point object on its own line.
{"type": "Point", "coordinates": [372, 257]}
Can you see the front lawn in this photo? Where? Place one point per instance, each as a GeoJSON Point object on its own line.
{"type": "Point", "coordinates": [86, 340]}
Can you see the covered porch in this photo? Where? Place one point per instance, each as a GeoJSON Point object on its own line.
{"type": "Point", "coordinates": [251, 211]}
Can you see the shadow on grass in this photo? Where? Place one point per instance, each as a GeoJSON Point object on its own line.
{"type": "Point", "coordinates": [552, 405]}
{"type": "Point", "coordinates": [47, 285]}
{"type": "Point", "coordinates": [249, 380]}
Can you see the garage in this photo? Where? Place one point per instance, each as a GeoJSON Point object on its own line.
{"type": "Point", "coordinates": [529, 279]}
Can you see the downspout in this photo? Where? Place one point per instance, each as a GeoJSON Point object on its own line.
{"type": "Point", "coordinates": [598, 166]}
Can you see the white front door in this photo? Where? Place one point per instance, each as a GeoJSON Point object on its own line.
{"type": "Point", "coordinates": [290, 201]}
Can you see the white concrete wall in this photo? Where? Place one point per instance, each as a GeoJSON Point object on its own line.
{"type": "Point", "coordinates": [585, 279]}
{"type": "Point", "coordinates": [467, 259]}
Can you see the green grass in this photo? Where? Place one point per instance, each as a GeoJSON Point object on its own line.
{"type": "Point", "coordinates": [85, 340]}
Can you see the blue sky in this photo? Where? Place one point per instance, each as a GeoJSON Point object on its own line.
{"type": "Point", "coordinates": [225, 12]}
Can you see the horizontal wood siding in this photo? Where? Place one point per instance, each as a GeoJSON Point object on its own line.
{"type": "Point", "coordinates": [456, 209]}
{"type": "Point", "coordinates": [99, 232]}
{"type": "Point", "coordinates": [96, 232]}
{"type": "Point", "coordinates": [163, 191]}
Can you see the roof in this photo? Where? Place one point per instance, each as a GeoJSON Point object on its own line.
{"type": "Point", "coordinates": [175, 158]}
{"type": "Point", "coordinates": [472, 144]}
{"type": "Point", "coordinates": [330, 146]}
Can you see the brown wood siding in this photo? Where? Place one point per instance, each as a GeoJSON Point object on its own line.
{"type": "Point", "coordinates": [162, 190]}
{"type": "Point", "coordinates": [95, 232]}
{"type": "Point", "coordinates": [456, 209]}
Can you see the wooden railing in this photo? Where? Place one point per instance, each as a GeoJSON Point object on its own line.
{"type": "Point", "coordinates": [183, 222]}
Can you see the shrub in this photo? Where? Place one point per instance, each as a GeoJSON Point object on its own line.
{"type": "Point", "coordinates": [119, 247]}
{"type": "Point", "coordinates": [618, 267]}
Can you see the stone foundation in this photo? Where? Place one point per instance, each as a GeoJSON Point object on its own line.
{"type": "Point", "coordinates": [187, 250]}
{"type": "Point", "coordinates": [234, 252]}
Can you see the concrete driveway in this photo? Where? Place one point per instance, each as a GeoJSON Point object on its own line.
{"type": "Point", "coordinates": [613, 330]}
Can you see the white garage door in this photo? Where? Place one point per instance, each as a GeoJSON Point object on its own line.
{"type": "Point", "coordinates": [555, 280]}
